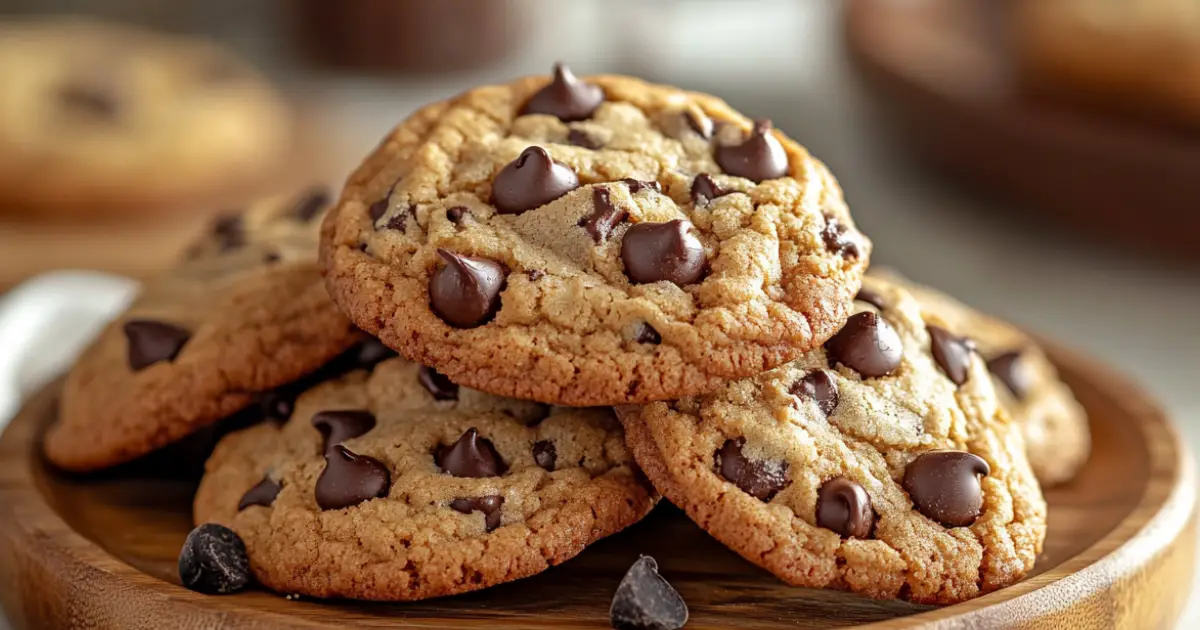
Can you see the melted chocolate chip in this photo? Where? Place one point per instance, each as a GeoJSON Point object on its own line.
{"type": "Point", "coordinates": [760, 479]}
{"type": "Point", "coordinates": [647, 334]}
{"type": "Point", "coordinates": [378, 209]}
{"type": "Point", "coordinates": [544, 454]}
{"type": "Point", "coordinates": [566, 97]}
{"type": "Point", "coordinates": [437, 384]}
{"type": "Point", "coordinates": [579, 138]}
{"type": "Point", "coordinates": [638, 185]}
{"type": "Point", "coordinates": [844, 507]}
{"type": "Point", "coordinates": [229, 232]}
{"type": "Point", "coordinates": [944, 485]}
{"type": "Point", "coordinates": [653, 252]}
{"type": "Point", "coordinates": [867, 344]}
{"type": "Point", "coordinates": [871, 297]}
{"type": "Point", "coordinates": [311, 205]}
{"type": "Point", "coordinates": [839, 239]}
{"type": "Point", "coordinates": [604, 217]}
{"type": "Point", "coordinates": [1014, 372]}
{"type": "Point", "coordinates": [818, 386]}
{"type": "Point", "coordinates": [152, 341]}
{"type": "Point", "coordinates": [705, 189]}
{"type": "Point", "coordinates": [646, 601]}
{"type": "Point", "coordinates": [531, 181]}
{"type": "Point", "coordinates": [350, 479]}
{"type": "Point", "coordinates": [455, 215]}
{"type": "Point", "coordinates": [213, 561]}
{"type": "Point", "coordinates": [470, 456]}
{"type": "Point", "coordinates": [952, 353]}
{"type": "Point", "coordinates": [699, 123]}
{"type": "Point", "coordinates": [489, 505]}
{"type": "Point", "coordinates": [758, 157]}
{"type": "Point", "coordinates": [400, 221]}
{"type": "Point", "coordinates": [263, 493]}
{"type": "Point", "coordinates": [337, 426]}
{"type": "Point", "coordinates": [465, 292]}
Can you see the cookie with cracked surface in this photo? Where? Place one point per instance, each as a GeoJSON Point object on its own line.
{"type": "Point", "coordinates": [911, 483]}
{"type": "Point", "coordinates": [244, 313]}
{"type": "Point", "coordinates": [393, 484]}
{"type": "Point", "coordinates": [1055, 426]}
{"type": "Point", "coordinates": [679, 246]}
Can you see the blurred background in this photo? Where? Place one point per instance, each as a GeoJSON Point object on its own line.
{"type": "Point", "coordinates": [1040, 160]}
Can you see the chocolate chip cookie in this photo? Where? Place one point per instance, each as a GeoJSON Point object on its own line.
{"type": "Point", "coordinates": [396, 484]}
{"type": "Point", "coordinates": [592, 241]}
{"type": "Point", "coordinates": [881, 463]}
{"type": "Point", "coordinates": [246, 312]}
{"type": "Point", "coordinates": [1055, 426]}
{"type": "Point", "coordinates": [104, 119]}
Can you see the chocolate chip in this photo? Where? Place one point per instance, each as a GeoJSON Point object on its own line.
{"type": "Point", "coordinates": [378, 209]}
{"type": "Point", "coordinates": [489, 505]}
{"type": "Point", "coordinates": [871, 297]}
{"type": "Point", "coordinates": [531, 181]}
{"type": "Point", "coordinates": [638, 185]}
{"type": "Point", "coordinates": [867, 344]}
{"type": "Point", "coordinates": [263, 493]}
{"type": "Point", "coordinates": [470, 456]}
{"type": "Point", "coordinates": [311, 205]}
{"type": "Point", "coordinates": [437, 384]}
{"type": "Point", "coordinates": [699, 122]}
{"type": "Point", "coordinates": [350, 479]}
{"type": "Point", "coordinates": [152, 341]}
{"type": "Point", "coordinates": [1014, 372]}
{"type": "Point", "coordinates": [535, 274]}
{"type": "Point", "coordinates": [544, 454]}
{"type": "Point", "coordinates": [229, 231]}
{"type": "Point", "coordinates": [337, 426]}
{"type": "Point", "coordinates": [271, 257]}
{"type": "Point", "coordinates": [582, 139]}
{"type": "Point", "coordinates": [370, 353]}
{"type": "Point", "coordinates": [604, 217]}
{"type": "Point", "coordinates": [399, 222]}
{"type": "Point", "coordinates": [646, 601]}
{"type": "Point", "coordinates": [944, 485]}
{"type": "Point", "coordinates": [566, 97]}
{"type": "Point", "coordinates": [465, 292]}
{"type": "Point", "coordinates": [93, 97]}
{"type": "Point", "coordinates": [758, 157]}
{"type": "Point", "coordinates": [213, 561]}
{"type": "Point", "coordinates": [760, 479]}
{"type": "Point", "coordinates": [653, 252]}
{"type": "Point", "coordinates": [647, 334]}
{"type": "Point", "coordinates": [278, 405]}
{"type": "Point", "coordinates": [818, 386]}
{"type": "Point", "coordinates": [952, 353]}
{"type": "Point", "coordinates": [844, 507]}
{"type": "Point", "coordinates": [705, 189]}
{"type": "Point", "coordinates": [455, 215]}
{"type": "Point", "coordinates": [839, 239]}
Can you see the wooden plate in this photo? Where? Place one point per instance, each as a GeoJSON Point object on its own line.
{"type": "Point", "coordinates": [101, 552]}
{"type": "Point", "coordinates": [940, 71]}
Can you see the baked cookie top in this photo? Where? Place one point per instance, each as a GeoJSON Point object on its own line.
{"type": "Point", "coordinates": [244, 313]}
{"type": "Point", "coordinates": [592, 241]}
{"type": "Point", "coordinates": [1055, 426]}
{"type": "Point", "coordinates": [96, 114]}
{"type": "Point", "coordinates": [395, 484]}
{"type": "Point", "coordinates": [881, 464]}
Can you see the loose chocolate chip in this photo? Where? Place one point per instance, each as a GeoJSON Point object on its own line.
{"type": "Point", "coordinates": [152, 341]}
{"type": "Point", "coordinates": [489, 505]}
{"type": "Point", "coordinates": [213, 561]}
{"type": "Point", "coordinates": [566, 97]}
{"type": "Point", "coordinates": [455, 215]}
{"type": "Point", "coordinates": [350, 479]}
{"type": "Point", "coordinates": [399, 222]}
{"type": "Point", "coordinates": [646, 601]}
{"type": "Point", "coordinates": [638, 185]}
{"type": "Point", "coordinates": [839, 239]}
{"type": "Point", "coordinates": [699, 122]}
{"type": "Point", "coordinates": [759, 479]}
{"type": "Point", "coordinates": [653, 252]}
{"type": "Point", "coordinates": [531, 181]}
{"type": "Point", "coordinates": [311, 204]}
{"type": "Point", "coordinates": [544, 454]}
{"type": "Point", "coordinates": [647, 334]}
{"type": "Point", "coordinates": [470, 456]}
{"type": "Point", "coordinates": [94, 97]}
{"type": "Point", "coordinates": [337, 426]}
{"type": "Point", "coordinates": [465, 292]}
{"type": "Point", "coordinates": [844, 507]}
{"type": "Point", "coordinates": [1014, 372]}
{"type": "Point", "coordinates": [229, 231]}
{"type": "Point", "coordinates": [582, 139]}
{"type": "Point", "coordinates": [867, 344]}
{"type": "Point", "coordinates": [952, 353]}
{"type": "Point", "coordinates": [944, 485]}
{"type": "Point", "coordinates": [604, 217]}
{"type": "Point", "coordinates": [758, 157]}
{"type": "Point", "coordinates": [437, 384]}
{"type": "Point", "coordinates": [819, 386]}
{"type": "Point", "coordinates": [871, 297]}
{"type": "Point", "coordinates": [370, 353]}
{"type": "Point", "coordinates": [705, 189]}
{"type": "Point", "coordinates": [535, 274]}
{"type": "Point", "coordinates": [263, 493]}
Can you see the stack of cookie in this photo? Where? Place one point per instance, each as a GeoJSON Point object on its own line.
{"type": "Point", "coordinates": [510, 273]}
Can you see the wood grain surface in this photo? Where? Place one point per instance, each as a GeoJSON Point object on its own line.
{"type": "Point", "coordinates": [100, 552]}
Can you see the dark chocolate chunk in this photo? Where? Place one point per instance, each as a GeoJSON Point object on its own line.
{"type": "Point", "coordinates": [437, 384]}
{"type": "Point", "coordinates": [544, 454]}
{"type": "Point", "coordinates": [579, 138]}
{"type": "Point", "coordinates": [945, 486]}
{"type": "Point", "coordinates": [867, 344]}
{"type": "Point", "coordinates": [1013, 370]}
{"type": "Point", "coordinates": [566, 97]}
{"type": "Point", "coordinates": [646, 601]}
{"type": "Point", "coordinates": [819, 386]}
{"type": "Point", "coordinates": [952, 353]}
{"type": "Point", "coordinates": [844, 507]}
{"type": "Point", "coordinates": [470, 456]}
{"type": "Point", "coordinates": [465, 292]}
{"type": "Point", "coordinates": [350, 479]}
{"type": "Point", "coordinates": [263, 493]}
{"type": "Point", "coordinates": [760, 479]}
{"type": "Point", "coordinates": [337, 426]}
{"type": "Point", "coordinates": [759, 156]}
{"type": "Point", "coordinates": [213, 561]}
{"type": "Point", "coordinates": [653, 252]}
{"type": "Point", "coordinates": [604, 217]}
{"type": "Point", "coordinates": [311, 204]}
{"type": "Point", "coordinates": [151, 341]}
{"type": "Point", "coordinates": [705, 189]}
{"type": "Point", "coordinates": [532, 180]}
{"type": "Point", "coordinates": [489, 505]}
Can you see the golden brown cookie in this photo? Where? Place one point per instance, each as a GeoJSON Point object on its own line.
{"type": "Point", "coordinates": [592, 241]}
{"type": "Point", "coordinates": [245, 313]}
{"type": "Point", "coordinates": [882, 463]}
{"type": "Point", "coordinates": [395, 484]}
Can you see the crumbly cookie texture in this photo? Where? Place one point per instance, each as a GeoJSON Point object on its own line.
{"type": "Point", "coordinates": [246, 312]}
{"type": "Point", "coordinates": [911, 483]}
{"type": "Point", "coordinates": [109, 119]}
{"type": "Point", "coordinates": [412, 487]}
{"type": "Point", "coordinates": [592, 241]}
{"type": "Point", "coordinates": [1055, 426]}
